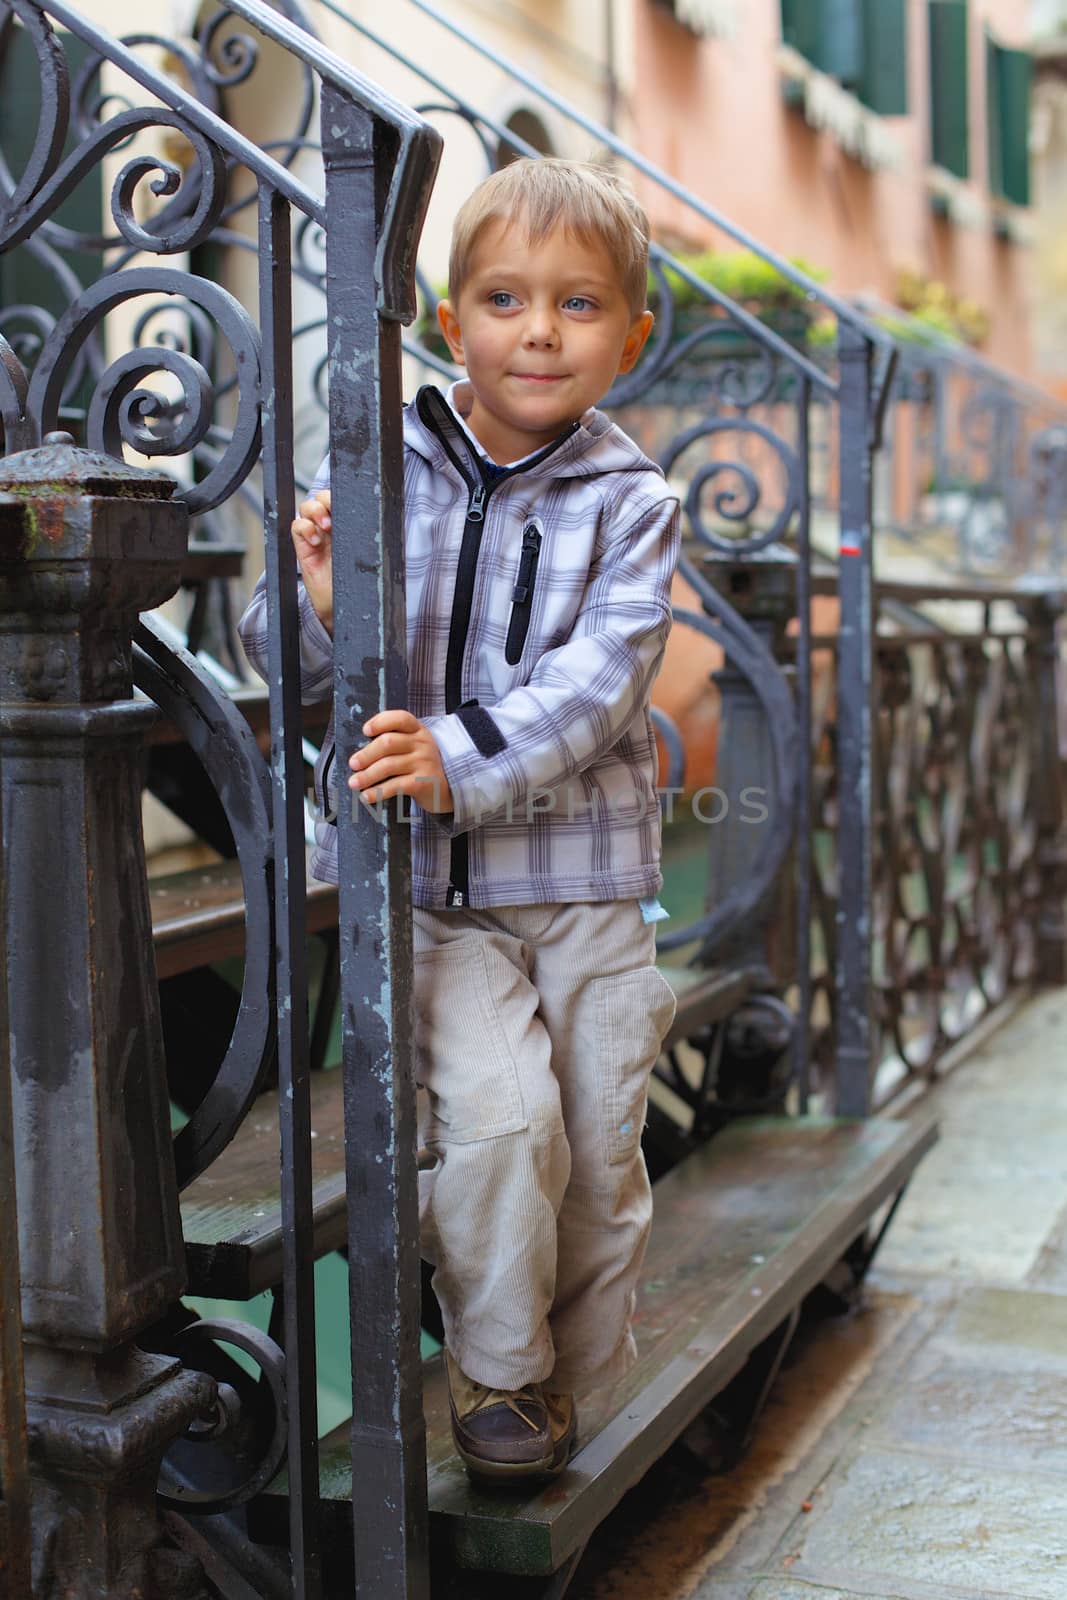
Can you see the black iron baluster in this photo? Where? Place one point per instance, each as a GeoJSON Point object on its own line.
{"type": "Point", "coordinates": [1046, 665]}
{"type": "Point", "coordinates": [366, 469]}
{"type": "Point", "coordinates": [803, 835]}
{"type": "Point", "coordinates": [290, 889]}
{"type": "Point", "coordinates": [855, 1023]}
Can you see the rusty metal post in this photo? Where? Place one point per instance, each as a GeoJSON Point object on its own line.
{"type": "Point", "coordinates": [857, 1039]}
{"type": "Point", "coordinates": [85, 544]}
{"type": "Point", "coordinates": [14, 1454]}
{"type": "Point", "coordinates": [1045, 614]}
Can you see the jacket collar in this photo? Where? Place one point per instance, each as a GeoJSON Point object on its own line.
{"type": "Point", "coordinates": [435, 426]}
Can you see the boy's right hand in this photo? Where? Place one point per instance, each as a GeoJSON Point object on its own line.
{"type": "Point", "coordinates": [312, 542]}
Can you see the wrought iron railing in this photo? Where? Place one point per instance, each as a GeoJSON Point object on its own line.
{"type": "Point", "coordinates": [973, 473]}
{"type": "Point", "coordinates": [376, 166]}
{"type": "Point", "coordinates": [741, 457]}
{"type": "Point", "coordinates": [969, 825]}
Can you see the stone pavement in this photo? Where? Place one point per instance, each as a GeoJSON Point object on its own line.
{"type": "Point", "coordinates": [916, 1448]}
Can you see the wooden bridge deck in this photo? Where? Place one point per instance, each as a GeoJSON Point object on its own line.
{"type": "Point", "coordinates": [743, 1231]}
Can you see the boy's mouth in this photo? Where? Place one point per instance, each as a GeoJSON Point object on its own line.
{"type": "Point", "coordinates": [539, 377]}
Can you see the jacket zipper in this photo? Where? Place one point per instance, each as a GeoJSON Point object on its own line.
{"type": "Point", "coordinates": [433, 409]}
{"type": "Point", "coordinates": [522, 595]}
{"type": "Point", "coordinates": [459, 859]}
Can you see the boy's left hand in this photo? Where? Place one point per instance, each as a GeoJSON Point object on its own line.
{"type": "Point", "coordinates": [401, 758]}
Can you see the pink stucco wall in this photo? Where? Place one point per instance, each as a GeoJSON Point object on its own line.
{"type": "Point", "coordinates": [712, 113]}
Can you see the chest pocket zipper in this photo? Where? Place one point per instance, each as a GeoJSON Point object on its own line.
{"type": "Point", "coordinates": [522, 594]}
{"type": "Point", "coordinates": [329, 812]}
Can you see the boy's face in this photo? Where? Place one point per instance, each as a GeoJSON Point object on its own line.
{"type": "Point", "coordinates": [542, 331]}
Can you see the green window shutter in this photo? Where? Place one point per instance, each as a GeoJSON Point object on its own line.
{"type": "Point", "coordinates": [1009, 78]}
{"type": "Point", "coordinates": [861, 43]}
{"type": "Point", "coordinates": [949, 119]}
{"type": "Point", "coordinates": [829, 33]}
{"type": "Point", "coordinates": [841, 41]}
{"type": "Point", "coordinates": [993, 118]}
{"type": "Point", "coordinates": [885, 57]}
{"type": "Point", "coordinates": [801, 26]}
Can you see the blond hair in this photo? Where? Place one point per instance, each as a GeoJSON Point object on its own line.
{"type": "Point", "coordinates": [542, 193]}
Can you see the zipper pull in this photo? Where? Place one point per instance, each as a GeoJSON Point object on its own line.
{"type": "Point", "coordinates": [476, 509]}
{"type": "Point", "coordinates": [531, 544]}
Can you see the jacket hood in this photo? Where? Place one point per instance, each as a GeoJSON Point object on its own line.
{"type": "Point", "coordinates": [435, 426]}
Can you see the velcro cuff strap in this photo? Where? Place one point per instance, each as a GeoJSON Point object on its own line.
{"type": "Point", "coordinates": [488, 739]}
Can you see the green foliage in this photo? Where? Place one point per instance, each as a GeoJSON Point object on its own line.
{"type": "Point", "coordinates": [740, 274]}
{"type": "Point", "coordinates": [942, 312]}
{"type": "Point", "coordinates": [929, 325]}
{"type": "Point", "coordinates": [822, 335]}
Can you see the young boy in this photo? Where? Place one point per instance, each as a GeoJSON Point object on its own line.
{"type": "Point", "coordinates": [540, 545]}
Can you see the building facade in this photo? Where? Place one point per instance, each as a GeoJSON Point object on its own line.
{"type": "Point", "coordinates": [885, 143]}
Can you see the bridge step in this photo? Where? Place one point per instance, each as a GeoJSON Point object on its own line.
{"type": "Point", "coordinates": [231, 1214]}
{"type": "Point", "coordinates": [253, 702]}
{"type": "Point", "coordinates": [207, 559]}
{"type": "Point", "coordinates": [198, 916]}
{"type": "Point", "coordinates": [744, 1229]}
{"type": "Point", "coordinates": [705, 995]}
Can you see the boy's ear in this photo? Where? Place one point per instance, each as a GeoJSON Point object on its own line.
{"type": "Point", "coordinates": [640, 329]}
{"type": "Point", "coordinates": [449, 324]}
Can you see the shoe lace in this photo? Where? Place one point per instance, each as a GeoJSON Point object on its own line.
{"type": "Point", "coordinates": [514, 1399]}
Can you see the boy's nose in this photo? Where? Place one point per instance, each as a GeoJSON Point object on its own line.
{"type": "Point", "coordinates": [541, 330]}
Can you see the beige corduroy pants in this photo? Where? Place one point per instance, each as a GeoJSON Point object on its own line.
{"type": "Point", "coordinates": [536, 1028]}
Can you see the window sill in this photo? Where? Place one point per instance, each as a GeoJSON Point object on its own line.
{"type": "Point", "coordinates": [860, 132]}
{"type": "Point", "coordinates": [708, 19]}
{"type": "Point", "coordinates": [1013, 222]}
{"type": "Point", "coordinates": [954, 199]}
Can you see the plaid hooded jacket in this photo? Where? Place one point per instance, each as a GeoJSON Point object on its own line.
{"type": "Point", "coordinates": [538, 609]}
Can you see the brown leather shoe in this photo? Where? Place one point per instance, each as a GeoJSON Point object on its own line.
{"type": "Point", "coordinates": [500, 1433]}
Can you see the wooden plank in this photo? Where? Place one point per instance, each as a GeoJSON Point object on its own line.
{"type": "Point", "coordinates": [231, 1214]}
{"type": "Point", "coordinates": [206, 559]}
{"type": "Point", "coordinates": [743, 1230]}
{"type": "Point", "coordinates": [704, 996]}
{"type": "Point", "coordinates": [253, 702]}
{"type": "Point", "coordinates": [198, 916]}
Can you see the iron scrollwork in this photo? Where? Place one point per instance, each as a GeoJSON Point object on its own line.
{"type": "Point", "coordinates": [957, 887]}
{"type": "Point", "coordinates": [229, 1422]}
{"type": "Point", "coordinates": [221, 739]}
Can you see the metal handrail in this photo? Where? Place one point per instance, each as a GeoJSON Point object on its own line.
{"type": "Point", "coordinates": [934, 344]}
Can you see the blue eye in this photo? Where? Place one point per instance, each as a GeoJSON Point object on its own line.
{"type": "Point", "coordinates": [578, 302]}
{"type": "Point", "coordinates": [502, 299]}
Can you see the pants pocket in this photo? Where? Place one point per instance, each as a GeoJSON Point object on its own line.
{"type": "Point", "coordinates": [634, 1012]}
{"type": "Point", "coordinates": [463, 1054]}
